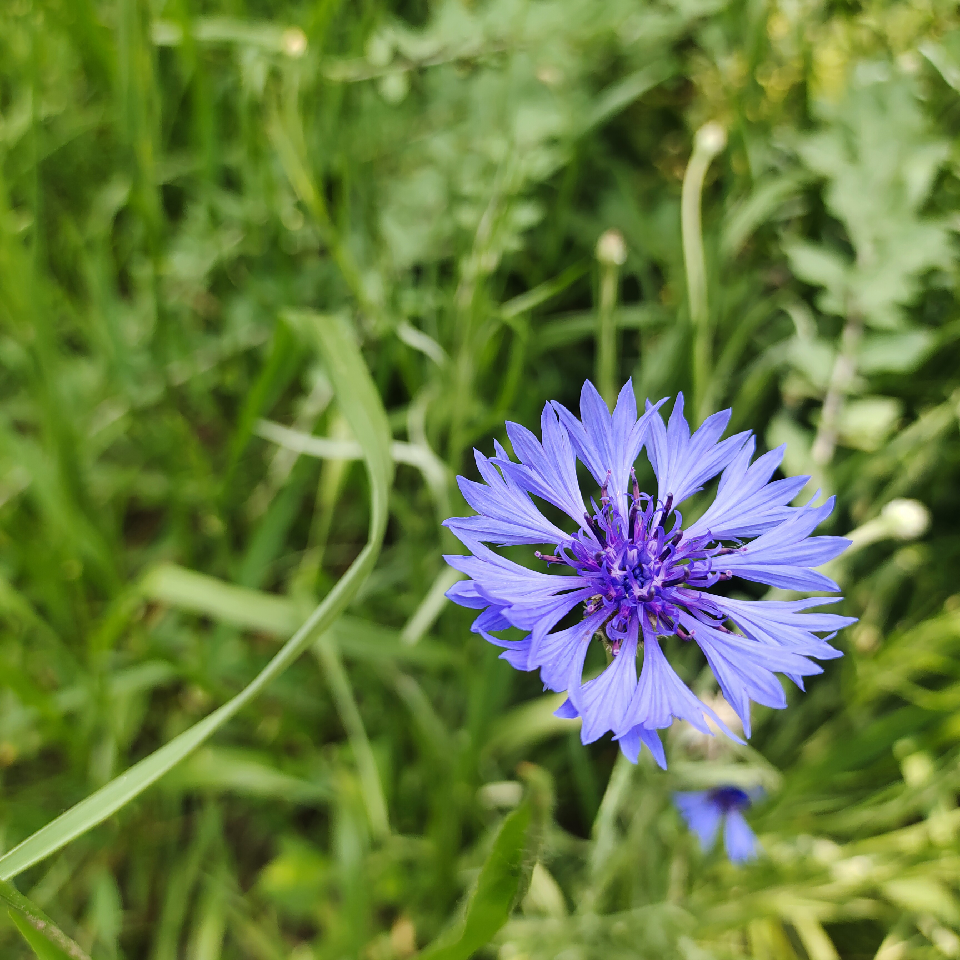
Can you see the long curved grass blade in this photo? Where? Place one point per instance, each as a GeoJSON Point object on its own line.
{"type": "Point", "coordinates": [360, 405]}
{"type": "Point", "coordinates": [46, 939]}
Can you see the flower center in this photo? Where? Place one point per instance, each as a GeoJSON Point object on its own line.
{"type": "Point", "coordinates": [639, 567]}
{"type": "Point", "coordinates": [730, 798]}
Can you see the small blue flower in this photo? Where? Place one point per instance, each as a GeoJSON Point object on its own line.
{"type": "Point", "coordinates": [704, 810]}
{"type": "Point", "coordinates": [642, 580]}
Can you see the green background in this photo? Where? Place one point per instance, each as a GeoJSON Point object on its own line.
{"type": "Point", "coordinates": [193, 195]}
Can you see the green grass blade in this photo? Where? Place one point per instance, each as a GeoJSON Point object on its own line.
{"type": "Point", "coordinates": [248, 609]}
{"type": "Point", "coordinates": [360, 405]}
{"type": "Point", "coordinates": [46, 939]}
{"type": "Point", "coordinates": [43, 948]}
{"type": "Point", "coordinates": [224, 602]}
{"type": "Point", "coordinates": [346, 703]}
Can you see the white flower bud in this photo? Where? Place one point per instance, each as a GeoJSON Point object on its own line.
{"type": "Point", "coordinates": [906, 519]}
{"type": "Point", "coordinates": [501, 795]}
{"type": "Point", "coordinates": [711, 138]}
{"type": "Point", "coordinates": [611, 248]}
{"type": "Point", "coordinates": [294, 42]}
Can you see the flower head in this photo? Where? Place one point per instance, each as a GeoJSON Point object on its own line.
{"type": "Point", "coordinates": [640, 577]}
{"type": "Point", "coordinates": [704, 810]}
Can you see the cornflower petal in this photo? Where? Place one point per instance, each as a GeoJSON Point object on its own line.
{"type": "Point", "coordinates": [548, 470]}
{"type": "Point", "coordinates": [505, 514]}
{"type": "Point", "coordinates": [738, 839]}
{"type": "Point", "coordinates": [516, 652]}
{"type": "Point", "coordinates": [747, 504]}
{"type": "Point", "coordinates": [608, 444]}
{"type": "Point", "coordinates": [464, 593]}
{"type": "Point", "coordinates": [684, 463]}
{"type": "Point", "coordinates": [504, 582]}
{"type": "Point", "coordinates": [783, 557]}
{"type": "Point", "coordinates": [540, 615]}
{"type": "Point", "coordinates": [560, 655]}
{"type": "Point", "coordinates": [661, 695]}
{"type": "Point", "coordinates": [705, 810]}
{"type": "Point", "coordinates": [701, 814]}
{"type": "Point", "coordinates": [603, 700]}
{"type": "Point", "coordinates": [490, 620]}
{"type": "Point", "coordinates": [566, 711]}
{"type": "Point", "coordinates": [638, 736]}
{"type": "Point", "coordinates": [745, 669]}
{"type": "Point", "coordinates": [783, 622]}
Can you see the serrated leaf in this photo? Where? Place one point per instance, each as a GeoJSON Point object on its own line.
{"type": "Point", "coordinates": [818, 266]}
{"type": "Point", "coordinates": [895, 352]}
{"type": "Point", "coordinates": [865, 423]}
{"type": "Point", "coordinates": [495, 893]}
{"type": "Point", "coordinates": [504, 877]}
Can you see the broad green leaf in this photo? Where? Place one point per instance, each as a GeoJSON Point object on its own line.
{"type": "Point", "coordinates": [361, 407]}
{"type": "Point", "coordinates": [866, 422]}
{"type": "Point", "coordinates": [504, 877]}
{"type": "Point", "coordinates": [819, 266]}
{"type": "Point", "coordinates": [896, 352]}
{"type": "Point", "coordinates": [46, 939]}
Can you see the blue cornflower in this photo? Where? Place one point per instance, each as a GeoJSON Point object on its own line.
{"type": "Point", "coordinates": [705, 809]}
{"type": "Point", "coordinates": [640, 577]}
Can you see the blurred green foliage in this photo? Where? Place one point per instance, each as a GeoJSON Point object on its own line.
{"type": "Point", "coordinates": [180, 180]}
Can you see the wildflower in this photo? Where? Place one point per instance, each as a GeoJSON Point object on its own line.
{"type": "Point", "coordinates": [640, 577]}
{"type": "Point", "coordinates": [704, 810]}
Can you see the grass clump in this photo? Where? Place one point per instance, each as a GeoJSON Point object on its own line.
{"type": "Point", "coordinates": [188, 191]}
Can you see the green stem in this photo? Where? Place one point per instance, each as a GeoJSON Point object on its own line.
{"type": "Point", "coordinates": [708, 142]}
{"type": "Point", "coordinates": [611, 254]}
{"type": "Point", "coordinates": [607, 334]}
{"type": "Point", "coordinates": [841, 377]}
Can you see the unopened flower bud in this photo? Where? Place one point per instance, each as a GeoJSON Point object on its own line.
{"type": "Point", "coordinates": [711, 138]}
{"type": "Point", "coordinates": [611, 248]}
{"type": "Point", "coordinates": [906, 519]}
{"type": "Point", "coordinates": [294, 42]}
